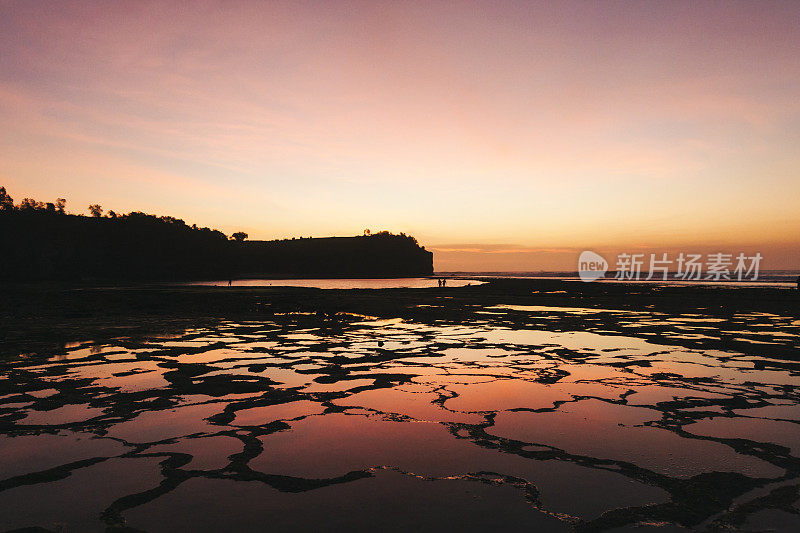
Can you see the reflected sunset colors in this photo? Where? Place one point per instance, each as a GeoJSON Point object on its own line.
{"type": "Point", "coordinates": [553, 426]}
{"type": "Point", "coordinates": [157, 375]}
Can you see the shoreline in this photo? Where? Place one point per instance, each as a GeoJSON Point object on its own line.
{"type": "Point", "coordinates": [50, 315]}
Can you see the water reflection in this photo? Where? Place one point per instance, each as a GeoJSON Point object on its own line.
{"type": "Point", "coordinates": [356, 283]}
{"type": "Point", "coordinates": [391, 423]}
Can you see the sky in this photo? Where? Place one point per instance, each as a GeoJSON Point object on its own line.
{"type": "Point", "coordinates": [503, 135]}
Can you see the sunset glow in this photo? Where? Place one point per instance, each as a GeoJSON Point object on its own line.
{"type": "Point", "coordinates": [504, 136]}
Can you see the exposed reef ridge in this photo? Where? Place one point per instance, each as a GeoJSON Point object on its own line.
{"type": "Point", "coordinates": [511, 405]}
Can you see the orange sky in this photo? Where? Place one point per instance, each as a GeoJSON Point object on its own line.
{"type": "Point", "coordinates": [498, 133]}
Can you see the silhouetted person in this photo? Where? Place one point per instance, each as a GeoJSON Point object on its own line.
{"type": "Point", "coordinates": [444, 282]}
{"type": "Point", "coordinates": [230, 282]}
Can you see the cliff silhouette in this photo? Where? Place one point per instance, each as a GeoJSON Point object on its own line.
{"type": "Point", "coordinates": [40, 242]}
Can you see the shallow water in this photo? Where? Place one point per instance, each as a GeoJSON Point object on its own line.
{"type": "Point", "coordinates": [358, 422]}
{"type": "Point", "coordinates": [365, 283]}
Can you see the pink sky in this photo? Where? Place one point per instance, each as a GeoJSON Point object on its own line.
{"type": "Point", "coordinates": [536, 129]}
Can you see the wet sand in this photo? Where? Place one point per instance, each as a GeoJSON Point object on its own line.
{"type": "Point", "coordinates": [515, 405]}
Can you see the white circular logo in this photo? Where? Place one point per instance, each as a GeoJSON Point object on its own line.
{"type": "Point", "coordinates": [591, 266]}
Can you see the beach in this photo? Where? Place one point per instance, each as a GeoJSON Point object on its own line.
{"type": "Point", "coordinates": [513, 404]}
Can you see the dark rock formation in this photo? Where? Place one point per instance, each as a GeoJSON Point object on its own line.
{"type": "Point", "coordinates": [41, 244]}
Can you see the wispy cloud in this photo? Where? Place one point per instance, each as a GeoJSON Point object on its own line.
{"type": "Point", "coordinates": [539, 124]}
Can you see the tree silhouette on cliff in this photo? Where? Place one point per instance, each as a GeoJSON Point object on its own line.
{"type": "Point", "coordinates": [41, 241]}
